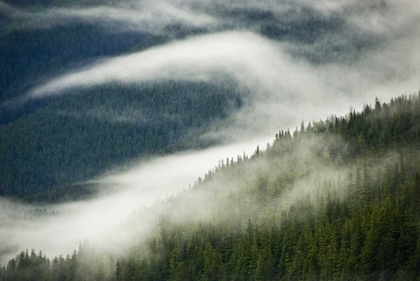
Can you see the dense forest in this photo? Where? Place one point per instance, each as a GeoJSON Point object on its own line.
{"type": "Point", "coordinates": [72, 138]}
{"type": "Point", "coordinates": [97, 89]}
{"type": "Point", "coordinates": [332, 200]}
{"type": "Point", "coordinates": [48, 145]}
{"type": "Point", "coordinates": [31, 55]}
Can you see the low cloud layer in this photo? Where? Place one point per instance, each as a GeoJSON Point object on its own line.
{"type": "Point", "coordinates": [359, 54]}
{"type": "Point", "coordinates": [58, 229]}
{"type": "Point", "coordinates": [282, 87]}
{"type": "Point", "coordinates": [245, 56]}
{"type": "Point", "coordinates": [293, 70]}
{"type": "Point", "coordinates": [144, 16]}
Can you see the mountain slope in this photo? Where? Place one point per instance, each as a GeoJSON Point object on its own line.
{"type": "Point", "coordinates": [72, 138]}
{"type": "Point", "coordinates": [336, 200]}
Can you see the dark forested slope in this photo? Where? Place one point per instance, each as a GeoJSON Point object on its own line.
{"type": "Point", "coordinates": [72, 138]}
{"type": "Point", "coordinates": [335, 200]}
{"type": "Point", "coordinates": [50, 146]}
{"type": "Point", "coordinates": [45, 147]}
{"type": "Point", "coordinates": [32, 54]}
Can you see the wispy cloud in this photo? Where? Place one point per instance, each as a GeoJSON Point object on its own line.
{"type": "Point", "coordinates": [144, 16]}
{"type": "Point", "coordinates": [359, 51]}
{"type": "Point", "coordinates": [282, 87]}
{"type": "Point", "coordinates": [7, 9]}
{"type": "Point", "coordinates": [62, 227]}
{"type": "Point", "coordinates": [272, 79]}
{"type": "Point", "coordinates": [245, 56]}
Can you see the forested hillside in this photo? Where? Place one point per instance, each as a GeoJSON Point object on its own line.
{"type": "Point", "coordinates": [30, 55]}
{"type": "Point", "coordinates": [334, 200]}
{"type": "Point", "coordinates": [50, 146]}
{"type": "Point", "coordinates": [72, 138]}
{"type": "Point", "coordinates": [48, 142]}
{"type": "Point", "coordinates": [47, 145]}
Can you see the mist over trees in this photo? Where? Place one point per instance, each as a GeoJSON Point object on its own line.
{"type": "Point", "coordinates": [336, 199]}
{"type": "Point", "coordinates": [100, 98]}
{"type": "Point", "coordinates": [44, 41]}
{"type": "Point", "coordinates": [48, 154]}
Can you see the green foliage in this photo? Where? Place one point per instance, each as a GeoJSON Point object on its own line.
{"type": "Point", "coordinates": [45, 155]}
{"type": "Point", "coordinates": [31, 54]}
{"type": "Point", "coordinates": [355, 217]}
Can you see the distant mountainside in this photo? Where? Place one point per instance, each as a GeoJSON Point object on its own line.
{"type": "Point", "coordinates": [46, 150]}
{"type": "Point", "coordinates": [334, 200]}
{"type": "Point", "coordinates": [29, 55]}
{"type": "Point", "coordinates": [50, 147]}
{"type": "Point", "coordinates": [48, 154]}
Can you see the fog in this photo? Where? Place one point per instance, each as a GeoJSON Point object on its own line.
{"type": "Point", "coordinates": [125, 16]}
{"type": "Point", "coordinates": [371, 51]}
{"type": "Point", "coordinates": [243, 55]}
{"type": "Point", "coordinates": [359, 55]}
{"type": "Point", "coordinates": [58, 229]}
{"type": "Point", "coordinates": [282, 86]}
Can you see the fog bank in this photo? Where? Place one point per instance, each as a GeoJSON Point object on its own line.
{"type": "Point", "coordinates": [58, 229]}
